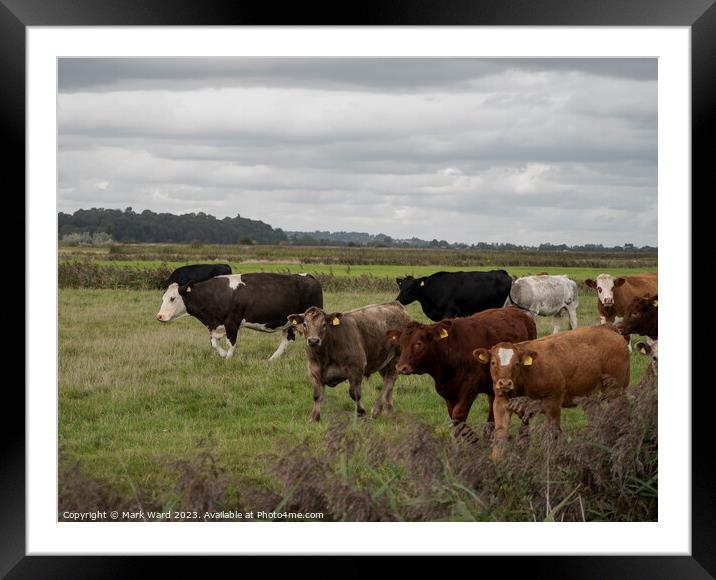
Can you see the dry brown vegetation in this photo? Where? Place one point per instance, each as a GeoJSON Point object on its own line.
{"type": "Point", "coordinates": [605, 471]}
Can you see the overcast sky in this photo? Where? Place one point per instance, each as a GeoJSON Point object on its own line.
{"type": "Point", "coordinates": [466, 150]}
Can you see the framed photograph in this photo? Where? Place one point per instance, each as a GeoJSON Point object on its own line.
{"type": "Point", "coordinates": [351, 207]}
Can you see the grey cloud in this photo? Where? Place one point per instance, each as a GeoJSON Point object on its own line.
{"type": "Point", "coordinates": [525, 150]}
{"type": "Point", "coordinates": [79, 74]}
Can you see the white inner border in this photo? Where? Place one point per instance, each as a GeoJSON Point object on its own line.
{"type": "Point", "coordinates": [670, 535]}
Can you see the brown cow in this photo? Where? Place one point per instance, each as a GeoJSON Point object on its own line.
{"type": "Point", "coordinates": [616, 293]}
{"type": "Point", "coordinates": [642, 317]}
{"type": "Point", "coordinates": [555, 369]}
{"type": "Point", "coordinates": [349, 346]}
{"type": "Point", "coordinates": [444, 351]}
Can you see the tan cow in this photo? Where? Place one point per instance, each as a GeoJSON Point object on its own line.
{"type": "Point", "coordinates": [555, 369]}
{"type": "Point", "coordinates": [349, 346]}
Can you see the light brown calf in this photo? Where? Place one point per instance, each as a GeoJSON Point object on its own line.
{"type": "Point", "coordinates": [555, 369]}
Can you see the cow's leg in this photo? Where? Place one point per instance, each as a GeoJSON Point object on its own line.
{"type": "Point", "coordinates": [215, 335]}
{"type": "Point", "coordinates": [385, 401]}
{"type": "Point", "coordinates": [502, 425]}
{"type": "Point", "coordinates": [572, 311]}
{"type": "Point", "coordinates": [553, 411]}
{"type": "Point", "coordinates": [489, 428]}
{"type": "Point", "coordinates": [318, 387]}
{"type": "Point", "coordinates": [232, 335]}
{"type": "Point", "coordinates": [354, 384]}
{"type": "Point", "coordinates": [283, 345]}
{"type": "Point", "coordinates": [461, 430]}
{"type": "Point", "coordinates": [450, 406]}
{"type": "Point", "coordinates": [557, 322]}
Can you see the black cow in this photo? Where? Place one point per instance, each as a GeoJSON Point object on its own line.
{"type": "Point", "coordinates": [456, 294]}
{"type": "Point", "coordinates": [195, 273]}
{"type": "Point", "coordinates": [259, 301]}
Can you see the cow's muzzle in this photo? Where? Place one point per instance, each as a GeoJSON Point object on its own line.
{"type": "Point", "coordinates": [608, 301]}
{"type": "Point", "coordinates": [160, 318]}
{"type": "Point", "coordinates": [404, 369]}
{"type": "Point", "coordinates": [503, 386]}
{"type": "Point", "coordinates": [313, 341]}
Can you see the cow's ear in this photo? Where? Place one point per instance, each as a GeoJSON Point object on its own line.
{"type": "Point", "coordinates": [442, 331]}
{"type": "Point", "coordinates": [643, 348]}
{"type": "Point", "coordinates": [482, 355]}
{"type": "Point", "coordinates": [393, 335]}
{"type": "Point", "coordinates": [528, 358]}
{"type": "Point", "coordinates": [400, 280]}
{"type": "Point", "coordinates": [655, 301]}
{"type": "Point", "coordinates": [296, 322]}
{"type": "Point", "coordinates": [295, 319]}
{"type": "Point", "coordinates": [591, 283]}
{"type": "Point", "coordinates": [618, 282]}
{"type": "Point", "coordinates": [422, 282]}
{"type": "Point", "coordinates": [334, 319]}
{"type": "Point", "coordinates": [185, 289]}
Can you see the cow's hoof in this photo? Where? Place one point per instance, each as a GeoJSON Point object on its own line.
{"type": "Point", "coordinates": [314, 418]}
{"type": "Point", "coordinates": [377, 410]}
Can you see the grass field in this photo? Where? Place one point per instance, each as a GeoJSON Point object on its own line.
{"type": "Point", "coordinates": [135, 396]}
{"type": "Point", "coordinates": [377, 270]}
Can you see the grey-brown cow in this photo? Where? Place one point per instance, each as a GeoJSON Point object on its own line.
{"type": "Point", "coordinates": [349, 346]}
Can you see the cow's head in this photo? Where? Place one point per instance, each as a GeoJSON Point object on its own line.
{"type": "Point", "coordinates": [650, 350]}
{"type": "Point", "coordinates": [418, 344]}
{"type": "Point", "coordinates": [410, 289]}
{"type": "Point", "coordinates": [173, 306]}
{"type": "Point", "coordinates": [316, 325]}
{"type": "Point", "coordinates": [641, 311]}
{"type": "Point", "coordinates": [507, 363]}
{"type": "Point", "coordinates": [605, 284]}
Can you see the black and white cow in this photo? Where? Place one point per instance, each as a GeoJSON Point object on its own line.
{"type": "Point", "coordinates": [545, 295]}
{"type": "Point", "coordinates": [195, 273]}
{"type": "Point", "coordinates": [258, 301]}
{"type": "Point", "coordinates": [455, 294]}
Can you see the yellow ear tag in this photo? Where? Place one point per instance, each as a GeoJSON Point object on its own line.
{"type": "Point", "coordinates": [422, 282]}
{"type": "Point", "coordinates": [527, 361]}
{"type": "Point", "coordinates": [336, 321]}
{"type": "Point", "coordinates": [655, 303]}
{"type": "Point", "coordinates": [482, 356]}
{"type": "Point", "coordinates": [188, 288]}
{"type": "Point", "coordinates": [294, 322]}
{"type": "Point", "coordinates": [443, 333]}
{"type": "Point", "coordinates": [642, 350]}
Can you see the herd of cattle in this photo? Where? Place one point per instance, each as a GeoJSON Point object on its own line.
{"type": "Point", "coordinates": [483, 339]}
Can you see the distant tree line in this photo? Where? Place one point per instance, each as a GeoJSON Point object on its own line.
{"type": "Point", "coordinates": [147, 226]}
{"type": "Point", "coordinates": [321, 238]}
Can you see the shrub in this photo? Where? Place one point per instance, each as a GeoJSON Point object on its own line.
{"type": "Point", "coordinates": [86, 239]}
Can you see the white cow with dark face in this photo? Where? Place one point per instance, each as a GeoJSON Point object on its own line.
{"type": "Point", "coordinates": [546, 295]}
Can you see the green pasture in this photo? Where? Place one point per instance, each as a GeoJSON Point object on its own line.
{"type": "Point", "coordinates": [378, 270]}
{"type": "Point", "coordinates": [136, 395]}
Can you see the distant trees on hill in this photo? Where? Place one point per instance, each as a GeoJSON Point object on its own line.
{"type": "Point", "coordinates": [200, 228]}
{"type": "Point", "coordinates": [129, 226]}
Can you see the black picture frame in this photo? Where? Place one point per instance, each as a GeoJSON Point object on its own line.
{"type": "Point", "coordinates": [17, 15]}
